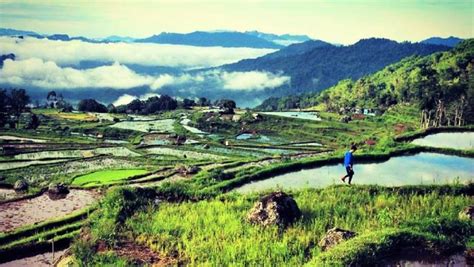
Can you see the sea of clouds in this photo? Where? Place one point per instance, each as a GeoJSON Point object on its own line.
{"type": "Point", "coordinates": [146, 54]}
{"type": "Point", "coordinates": [49, 64]}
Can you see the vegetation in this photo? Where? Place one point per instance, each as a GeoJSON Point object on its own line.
{"type": "Point", "coordinates": [184, 158]}
{"type": "Point", "coordinates": [309, 70]}
{"type": "Point", "coordinates": [439, 84]}
{"type": "Point", "coordinates": [91, 105]}
{"type": "Point", "coordinates": [106, 177]}
{"type": "Point", "coordinates": [215, 232]}
{"type": "Point", "coordinates": [12, 103]}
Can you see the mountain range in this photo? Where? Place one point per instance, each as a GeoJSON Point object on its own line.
{"type": "Point", "coordinates": [449, 41]}
{"type": "Point", "coordinates": [316, 65]}
{"type": "Point", "coordinates": [299, 68]}
{"type": "Point", "coordinates": [440, 85]}
{"type": "Point", "coordinates": [251, 39]}
{"type": "Point", "coordinates": [224, 39]}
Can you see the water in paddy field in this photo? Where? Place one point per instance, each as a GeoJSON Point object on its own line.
{"type": "Point", "coordinates": [297, 115]}
{"type": "Point", "coordinates": [463, 140]}
{"type": "Point", "coordinates": [422, 168]}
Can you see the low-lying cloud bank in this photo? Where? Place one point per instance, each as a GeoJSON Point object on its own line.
{"type": "Point", "coordinates": [47, 74]}
{"type": "Point", "coordinates": [72, 52]}
{"type": "Point", "coordinates": [126, 98]}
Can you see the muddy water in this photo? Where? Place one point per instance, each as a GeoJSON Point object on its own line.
{"type": "Point", "coordinates": [6, 165]}
{"type": "Point", "coordinates": [40, 260]}
{"type": "Point", "coordinates": [454, 260]}
{"type": "Point", "coordinates": [422, 168]}
{"type": "Point", "coordinates": [42, 208]}
{"type": "Point", "coordinates": [462, 140]}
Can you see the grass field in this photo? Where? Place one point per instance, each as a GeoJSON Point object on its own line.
{"type": "Point", "coordinates": [215, 232]}
{"type": "Point", "coordinates": [106, 177]}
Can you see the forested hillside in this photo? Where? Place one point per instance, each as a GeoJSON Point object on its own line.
{"type": "Point", "coordinates": [322, 66]}
{"type": "Point", "coordinates": [442, 84]}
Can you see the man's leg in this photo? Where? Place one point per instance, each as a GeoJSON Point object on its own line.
{"type": "Point", "coordinates": [350, 175]}
{"type": "Point", "coordinates": [343, 178]}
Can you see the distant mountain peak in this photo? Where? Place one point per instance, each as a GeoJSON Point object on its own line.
{"type": "Point", "coordinates": [201, 38]}
{"type": "Point", "coordinates": [448, 41]}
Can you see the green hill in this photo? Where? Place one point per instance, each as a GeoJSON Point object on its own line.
{"type": "Point", "coordinates": [442, 84]}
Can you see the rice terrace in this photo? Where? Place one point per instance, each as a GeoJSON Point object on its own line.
{"type": "Point", "coordinates": [205, 147]}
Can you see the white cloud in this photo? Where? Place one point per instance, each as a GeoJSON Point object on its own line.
{"type": "Point", "coordinates": [47, 74]}
{"type": "Point", "coordinates": [72, 52]}
{"type": "Point", "coordinates": [252, 80]}
{"type": "Point", "coordinates": [124, 99]}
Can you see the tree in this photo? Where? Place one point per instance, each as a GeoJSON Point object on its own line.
{"type": "Point", "coordinates": [4, 100]}
{"type": "Point", "coordinates": [33, 122]}
{"type": "Point", "coordinates": [202, 101]}
{"type": "Point", "coordinates": [135, 106]}
{"type": "Point", "coordinates": [91, 105]}
{"type": "Point", "coordinates": [18, 100]}
{"type": "Point", "coordinates": [64, 106]}
{"type": "Point", "coordinates": [188, 103]}
{"type": "Point", "coordinates": [111, 108]}
{"type": "Point", "coordinates": [226, 105]}
{"type": "Point", "coordinates": [51, 98]}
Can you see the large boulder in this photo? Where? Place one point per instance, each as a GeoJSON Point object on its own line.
{"type": "Point", "coordinates": [335, 236]}
{"type": "Point", "coordinates": [20, 185]}
{"type": "Point", "coordinates": [188, 170]}
{"type": "Point", "coordinates": [277, 208]}
{"type": "Point", "coordinates": [467, 213]}
{"type": "Point", "coordinates": [57, 189]}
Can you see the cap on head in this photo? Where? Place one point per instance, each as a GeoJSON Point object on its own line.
{"type": "Point", "coordinates": [353, 147]}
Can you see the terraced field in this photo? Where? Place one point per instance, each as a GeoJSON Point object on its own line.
{"type": "Point", "coordinates": [106, 177]}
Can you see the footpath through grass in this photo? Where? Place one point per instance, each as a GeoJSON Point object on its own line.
{"type": "Point", "coordinates": [106, 177]}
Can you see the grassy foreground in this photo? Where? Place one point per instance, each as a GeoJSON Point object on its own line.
{"type": "Point", "coordinates": [215, 232]}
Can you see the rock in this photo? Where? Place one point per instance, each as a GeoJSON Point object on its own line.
{"type": "Point", "coordinates": [20, 185]}
{"type": "Point", "coordinates": [467, 213]}
{"type": "Point", "coordinates": [193, 169]}
{"type": "Point", "coordinates": [335, 236]}
{"type": "Point", "coordinates": [58, 189]}
{"type": "Point", "coordinates": [183, 170]}
{"type": "Point", "coordinates": [346, 119]}
{"type": "Point", "coordinates": [277, 208]}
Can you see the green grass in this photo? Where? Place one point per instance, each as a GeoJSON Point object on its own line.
{"type": "Point", "coordinates": [106, 177]}
{"type": "Point", "coordinates": [215, 232]}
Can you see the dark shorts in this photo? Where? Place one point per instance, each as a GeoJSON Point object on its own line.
{"type": "Point", "coordinates": [349, 171]}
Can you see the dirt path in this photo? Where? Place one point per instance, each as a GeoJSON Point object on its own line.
{"type": "Point", "coordinates": [142, 255]}
{"type": "Point", "coordinates": [6, 194]}
{"type": "Point", "coordinates": [40, 260]}
{"type": "Point", "coordinates": [42, 208]}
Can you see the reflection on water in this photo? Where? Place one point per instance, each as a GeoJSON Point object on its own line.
{"type": "Point", "coordinates": [463, 140]}
{"type": "Point", "coordinates": [422, 168]}
{"type": "Point", "coordinates": [454, 260]}
{"type": "Point", "coordinates": [298, 115]}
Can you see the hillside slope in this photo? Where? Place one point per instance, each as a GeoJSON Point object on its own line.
{"type": "Point", "coordinates": [442, 84]}
{"type": "Point", "coordinates": [323, 66]}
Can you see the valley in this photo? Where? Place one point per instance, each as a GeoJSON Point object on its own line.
{"type": "Point", "coordinates": [214, 166]}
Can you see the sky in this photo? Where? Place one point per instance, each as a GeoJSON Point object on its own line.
{"type": "Point", "coordinates": [338, 21]}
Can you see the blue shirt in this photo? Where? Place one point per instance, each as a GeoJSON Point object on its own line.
{"type": "Point", "coordinates": [348, 159]}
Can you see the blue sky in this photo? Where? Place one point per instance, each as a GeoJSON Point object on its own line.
{"type": "Point", "coordinates": [342, 21]}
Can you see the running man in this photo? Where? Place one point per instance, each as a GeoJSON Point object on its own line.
{"type": "Point", "coordinates": [349, 164]}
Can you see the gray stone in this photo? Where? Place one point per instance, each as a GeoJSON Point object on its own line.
{"type": "Point", "coordinates": [20, 185]}
{"type": "Point", "coordinates": [277, 208]}
{"type": "Point", "coordinates": [335, 236]}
